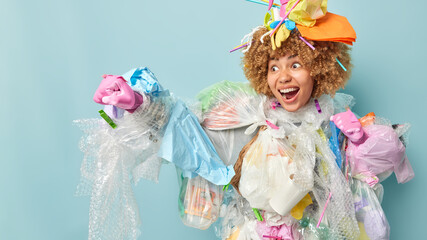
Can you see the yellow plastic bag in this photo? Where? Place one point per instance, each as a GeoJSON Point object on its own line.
{"type": "Point", "coordinates": [307, 11]}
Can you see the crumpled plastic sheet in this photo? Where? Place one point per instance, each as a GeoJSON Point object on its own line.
{"type": "Point", "coordinates": [228, 105]}
{"type": "Point", "coordinates": [308, 114]}
{"type": "Point", "coordinates": [111, 157]}
{"type": "Point", "coordinates": [307, 11]}
{"type": "Point", "coordinates": [342, 102]}
{"type": "Point", "coordinates": [143, 80]}
{"type": "Point", "coordinates": [273, 174]}
{"type": "Point", "coordinates": [187, 146]}
{"type": "Point", "coordinates": [235, 213]}
{"type": "Point", "coordinates": [228, 143]}
{"type": "Point", "coordinates": [284, 227]}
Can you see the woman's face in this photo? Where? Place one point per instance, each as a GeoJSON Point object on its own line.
{"type": "Point", "coordinates": [290, 82]}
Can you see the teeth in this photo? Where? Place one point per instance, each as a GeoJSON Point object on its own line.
{"type": "Point", "coordinates": [288, 90]}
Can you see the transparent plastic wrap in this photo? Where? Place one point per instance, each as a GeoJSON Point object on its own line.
{"type": "Point", "coordinates": [338, 214]}
{"type": "Point", "coordinates": [305, 142]}
{"type": "Point", "coordinates": [309, 229]}
{"type": "Point", "coordinates": [307, 114]}
{"type": "Point", "coordinates": [153, 118]}
{"type": "Point", "coordinates": [342, 102]}
{"type": "Point", "coordinates": [372, 221]}
{"type": "Point", "coordinates": [228, 143]}
{"type": "Point", "coordinates": [228, 105]}
{"type": "Point", "coordinates": [275, 226]}
{"type": "Point", "coordinates": [234, 212]}
{"type": "Point", "coordinates": [273, 177]}
{"type": "Point", "coordinates": [186, 145]}
{"type": "Point", "coordinates": [111, 158]}
{"type": "Point", "coordinates": [105, 170]}
{"type": "Point", "coordinates": [199, 202]}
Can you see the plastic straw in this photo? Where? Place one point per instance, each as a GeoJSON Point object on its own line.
{"type": "Point", "coordinates": [305, 41]}
{"type": "Point", "coordinates": [319, 110]}
{"type": "Point", "coordinates": [345, 69]}
{"type": "Point", "coordinates": [239, 47]}
{"type": "Point", "coordinates": [263, 3]}
{"type": "Point", "coordinates": [324, 209]}
{"type": "Point", "coordinates": [271, 125]}
{"type": "Point", "coordinates": [286, 15]}
{"type": "Point", "coordinates": [266, 236]}
{"type": "Point", "coordinates": [274, 4]}
{"type": "Point", "coordinates": [346, 168]}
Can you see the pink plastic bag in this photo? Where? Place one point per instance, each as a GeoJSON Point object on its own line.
{"type": "Point", "coordinates": [381, 152]}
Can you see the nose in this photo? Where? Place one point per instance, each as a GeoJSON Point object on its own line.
{"type": "Point", "coordinates": [285, 76]}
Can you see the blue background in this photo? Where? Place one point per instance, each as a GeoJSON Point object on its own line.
{"type": "Point", "coordinates": [52, 56]}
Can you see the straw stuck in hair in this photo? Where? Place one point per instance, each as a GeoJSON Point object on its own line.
{"type": "Point", "coordinates": [306, 42]}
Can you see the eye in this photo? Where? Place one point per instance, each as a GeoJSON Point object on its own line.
{"type": "Point", "coordinates": [274, 68]}
{"type": "Point", "coordinates": [296, 65]}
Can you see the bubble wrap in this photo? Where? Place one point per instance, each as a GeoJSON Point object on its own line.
{"type": "Point", "coordinates": [343, 101]}
{"type": "Point", "coordinates": [111, 157]}
{"type": "Point", "coordinates": [327, 177]}
{"type": "Point", "coordinates": [339, 214]}
{"type": "Point", "coordinates": [234, 213]}
{"type": "Point", "coordinates": [232, 107]}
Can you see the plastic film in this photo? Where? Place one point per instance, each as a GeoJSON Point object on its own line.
{"type": "Point", "coordinates": [272, 177]}
{"type": "Point", "coordinates": [369, 213]}
{"type": "Point", "coordinates": [111, 158]}
{"type": "Point", "coordinates": [199, 202]}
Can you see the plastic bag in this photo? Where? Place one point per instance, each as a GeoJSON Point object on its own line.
{"type": "Point", "coordinates": [271, 179]}
{"type": "Point", "coordinates": [307, 11]}
{"type": "Point", "coordinates": [309, 229]}
{"type": "Point", "coordinates": [234, 213]}
{"type": "Point", "coordinates": [369, 214]}
{"type": "Point", "coordinates": [380, 153]}
{"type": "Point", "coordinates": [278, 227]}
{"type": "Point", "coordinates": [228, 105]}
{"type": "Point", "coordinates": [199, 202]}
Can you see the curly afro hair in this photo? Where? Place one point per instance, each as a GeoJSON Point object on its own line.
{"type": "Point", "coordinates": [327, 74]}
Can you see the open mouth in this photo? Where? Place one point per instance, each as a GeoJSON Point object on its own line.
{"type": "Point", "coordinates": [289, 93]}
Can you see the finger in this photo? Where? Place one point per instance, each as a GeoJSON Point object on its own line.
{"type": "Point", "coordinates": [97, 99]}
{"type": "Point", "coordinates": [112, 89]}
{"type": "Point", "coordinates": [97, 96]}
{"type": "Point", "coordinates": [109, 100]}
{"type": "Point", "coordinates": [353, 130]}
{"type": "Point", "coordinates": [125, 88]}
{"type": "Point", "coordinates": [114, 86]}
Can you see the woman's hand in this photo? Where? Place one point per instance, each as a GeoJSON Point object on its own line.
{"type": "Point", "coordinates": [114, 90]}
{"type": "Point", "coordinates": [348, 123]}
